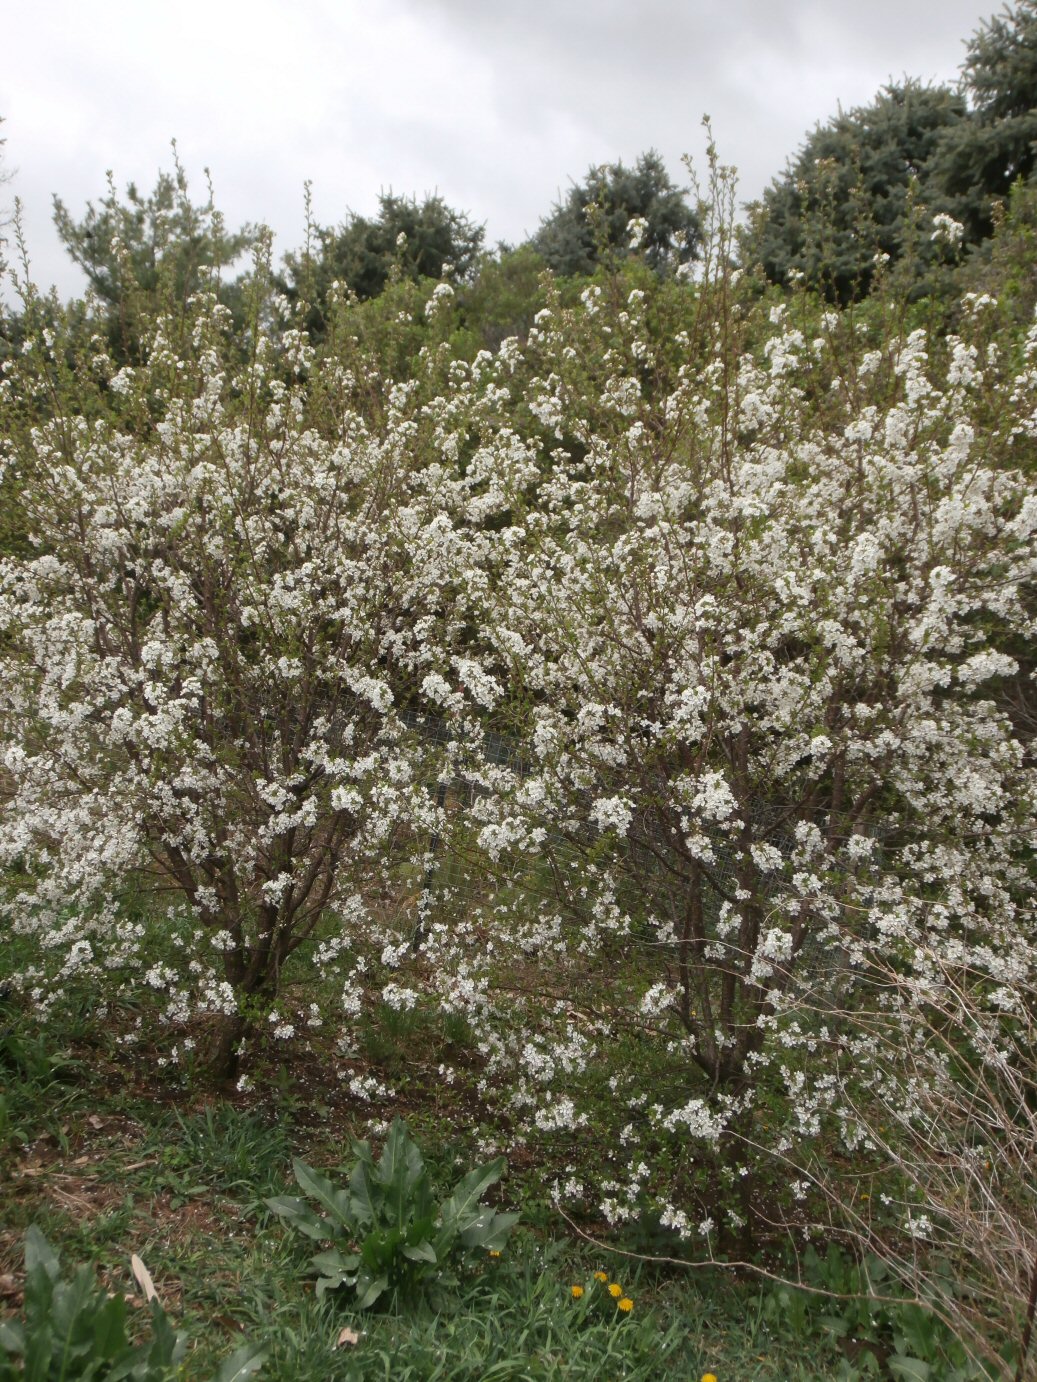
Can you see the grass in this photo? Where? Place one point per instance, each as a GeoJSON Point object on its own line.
{"type": "Point", "coordinates": [109, 1156]}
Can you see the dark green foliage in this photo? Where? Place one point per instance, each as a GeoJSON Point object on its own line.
{"type": "Point", "coordinates": [416, 239]}
{"type": "Point", "coordinates": [883, 1329]}
{"type": "Point", "coordinates": [76, 1330]}
{"type": "Point", "coordinates": [504, 296]}
{"type": "Point", "coordinates": [591, 223]}
{"type": "Point", "coordinates": [983, 156]}
{"type": "Point", "coordinates": [1005, 266]}
{"type": "Point", "coordinates": [389, 1238]}
{"type": "Point", "coordinates": [144, 254]}
{"type": "Point", "coordinates": [35, 1081]}
{"type": "Point", "coordinates": [851, 193]}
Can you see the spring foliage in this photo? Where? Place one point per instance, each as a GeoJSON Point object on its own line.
{"type": "Point", "coordinates": [739, 581]}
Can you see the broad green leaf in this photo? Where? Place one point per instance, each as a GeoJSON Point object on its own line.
{"type": "Point", "coordinates": [109, 1328]}
{"type": "Point", "coordinates": [39, 1350]}
{"type": "Point", "coordinates": [12, 1336]}
{"type": "Point", "coordinates": [169, 1344]}
{"type": "Point", "coordinates": [73, 1306]}
{"type": "Point", "coordinates": [369, 1288]}
{"type": "Point", "coordinates": [379, 1250]}
{"type": "Point", "coordinates": [490, 1230]}
{"type": "Point", "coordinates": [398, 1154]}
{"type": "Point", "coordinates": [327, 1195]}
{"type": "Point", "coordinates": [130, 1368]}
{"type": "Point", "coordinates": [299, 1214]}
{"type": "Point", "coordinates": [911, 1369]}
{"type": "Point", "coordinates": [419, 1252]}
{"type": "Point", "coordinates": [421, 1230]}
{"type": "Point", "coordinates": [364, 1196]}
{"type": "Point", "coordinates": [40, 1254]}
{"type": "Point", "coordinates": [462, 1207]}
{"type": "Point", "coordinates": [243, 1362]}
{"type": "Point", "coordinates": [400, 1170]}
{"type": "Point", "coordinates": [332, 1262]}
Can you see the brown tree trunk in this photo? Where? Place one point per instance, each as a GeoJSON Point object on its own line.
{"type": "Point", "coordinates": [224, 1058]}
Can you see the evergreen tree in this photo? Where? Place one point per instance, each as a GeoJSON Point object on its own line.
{"type": "Point", "coordinates": [848, 194]}
{"type": "Point", "coordinates": [594, 220]}
{"type": "Point", "coordinates": [143, 251]}
{"type": "Point", "coordinates": [417, 238]}
{"type": "Point", "coordinates": [981, 157]}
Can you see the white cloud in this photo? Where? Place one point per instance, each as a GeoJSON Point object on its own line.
{"type": "Point", "coordinates": [493, 104]}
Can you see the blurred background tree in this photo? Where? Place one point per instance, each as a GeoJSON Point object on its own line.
{"type": "Point", "coordinates": [416, 238]}
{"type": "Point", "coordinates": [981, 157]}
{"type": "Point", "coordinates": [573, 238]}
{"type": "Point", "coordinates": [850, 192]}
{"type": "Point", "coordinates": [140, 253]}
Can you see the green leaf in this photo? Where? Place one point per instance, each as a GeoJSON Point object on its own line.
{"type": "Point", "coordinates": [12, 1337]}
{"type": "Point", "coordinates": [420, 1252]}
{"type": "Point", "coordinates": [364, 1196]}
{"type": "Point", "coordinates": [243, 1362]}
{"type": "Point", "coordinates": [328, 1196]}
{"type": "Point", "coordinates": [400, 1162]}
{"type": "Point", "coordinates": [369, 1288]}
{"type": "Point", "coordinates": [299, 1214]}
{"type": "Point", "coordinates": [168, 1344]}
{"type": "Point", "coordinates": [40, 1255]}
{"type": "Point", "coordinates": [379, 1250]}
{"type": "Point", "coordinates": [462, 1207]}
{"type": "Point", "coordinates": [490, 1231]}
{"type": "Point", "coordinates": [401, 1172]}
{"type": "Point", "coordinates": [109, 1328]}
{"type": "Point", "coordinates": [336, 1269]}
{"type": "Point", "coordinates": [912, 1369]}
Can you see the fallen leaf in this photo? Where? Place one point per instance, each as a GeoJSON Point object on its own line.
{"type": "Point", "coordinates": [143, 1278]}
{"type": "Point", "coordinates": [95, 1122]}
{"type": "Point", "coordinates": [347, 1338]}
{"type": "Point", "coordinates": [9, 1288]}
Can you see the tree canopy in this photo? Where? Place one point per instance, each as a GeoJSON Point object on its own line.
{"type": "Point", "coordinates": [848, 194]}
{"type": "Point", "coordinates": [136, 248]}
{"type": "Point", "coordinates": [594, 219]}
{"type": "Point", "coordinates": [981, 157]}
{"type": "Point", "coordinates": [417, 238]}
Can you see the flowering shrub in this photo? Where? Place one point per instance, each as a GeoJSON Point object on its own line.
{"type": "Point", "coordinates": [760, 621]}
{"type": "Point", "coordinates": [712, 610]}
{"type": "Point", "coordinates": [224, 614]}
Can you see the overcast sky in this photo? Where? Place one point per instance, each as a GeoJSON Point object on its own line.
{"type": "Point", "coordinates": [495, 104]}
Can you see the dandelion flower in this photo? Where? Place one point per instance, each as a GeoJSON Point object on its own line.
{"type": "Point", "coordinates": [495, 1252]}
{"type": "Point", "coordinates": [600, 1276]}
{"type": "Point", "coordinates": [577, 1292]}
{"type": "Point", "coordinates": [626, 1305]}
{"type": "Point", "coordinates": [709, 1377]}
{"type": "Point", "coordinates": [615, 1290]}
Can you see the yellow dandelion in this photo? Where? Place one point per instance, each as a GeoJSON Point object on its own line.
{"type": "Point", "coordinates": [495, 1252]}
{"type": "Point", "coordinates": [709, 1377]}
{"type": "Point", "coordinates": [626, 1305]}
{"type": "Point", "coordinates": [600, 1276]}
{"type": "Point", "coordinates": [615, 1290]}
{"type": "Point", "coordinates": [577, 1292]}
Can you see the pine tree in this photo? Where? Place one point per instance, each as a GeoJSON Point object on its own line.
{"type": "Point", "coordinates": [984, 155]}
{"type": "Point", "coordinates": [593, 220]}
{"type": "Point", "coordinates": [850, 192]}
